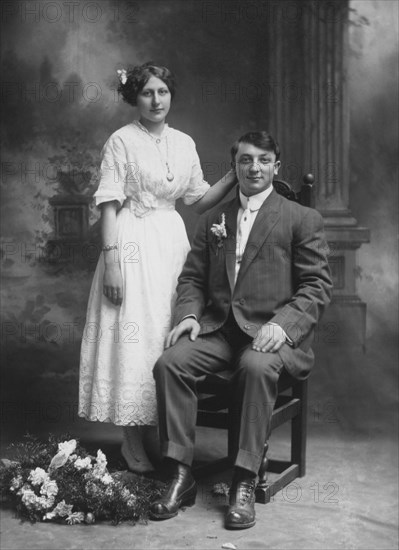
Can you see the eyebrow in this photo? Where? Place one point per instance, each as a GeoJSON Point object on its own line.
{"type": "Point", "coordinates": [266, 154]}
{"type": "Point", "coordinates": [164, 87]}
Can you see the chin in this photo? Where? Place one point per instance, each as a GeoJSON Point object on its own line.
{"type": "Point", "coordinates": [155, 118]}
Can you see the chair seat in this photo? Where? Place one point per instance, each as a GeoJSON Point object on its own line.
{"type": "Point", "coordinates": [220, 380]}
{"type": "Point", "coordinates": [214, 396]}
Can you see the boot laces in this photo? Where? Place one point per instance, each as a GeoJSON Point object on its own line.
{"type": "Point", "coordinates": [245, 492]}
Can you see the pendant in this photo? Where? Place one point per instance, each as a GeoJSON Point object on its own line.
{"type": "Point", "coordinates": [170, 176]}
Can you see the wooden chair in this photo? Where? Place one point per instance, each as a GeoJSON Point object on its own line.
{"type": "Point", "coordinates": [291, 404]}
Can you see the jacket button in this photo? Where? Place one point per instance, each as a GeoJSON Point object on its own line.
{"type": "Point", "coordinates": [242, 301]}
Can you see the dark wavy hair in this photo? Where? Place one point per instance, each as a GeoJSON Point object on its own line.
{"type": "Point", "coordinates": [138, 77]}
{"type": "Point", "coordinates": [260, 139]}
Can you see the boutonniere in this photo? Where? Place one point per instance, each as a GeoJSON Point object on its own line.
{"type": "Point", "coordinates": [219, 231]}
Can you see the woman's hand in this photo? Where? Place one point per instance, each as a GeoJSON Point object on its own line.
{"type": "Point", "coordinates": [216, 192]}
{"type": "Point", "coordinates": [113, 283]}
{"type": "Point", "coordinates": [230, 178]}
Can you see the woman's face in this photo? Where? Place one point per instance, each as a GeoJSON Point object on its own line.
{"type": "Point", "coordinates": [153, 102]}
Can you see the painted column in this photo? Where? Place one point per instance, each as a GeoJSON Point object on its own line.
{"type": "Point", "coordinates": [309, 112]}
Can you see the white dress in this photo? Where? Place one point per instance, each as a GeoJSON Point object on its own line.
{"type": "Point", "coordinates": [121, 344]}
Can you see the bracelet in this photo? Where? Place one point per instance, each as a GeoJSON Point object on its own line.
{"type": "Point", "coordinates": [109, 247]}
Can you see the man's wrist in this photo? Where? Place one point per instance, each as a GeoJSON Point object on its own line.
{"type": "Point", "coordinates": [287, 338]}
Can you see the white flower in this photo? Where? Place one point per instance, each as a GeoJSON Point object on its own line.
{"type": "Point", "coordinates": [49, 488]}
{"type": "Point", "coordinates": [28, 497]}
{"type": "Point", "coordinates": [101, 465]}
{"type": "Point", "coordinates": [38, 476]}
{"type": "Point", "coordinates": [219, 230]}
{"type": "Point", "coordinates": [125, 493]}
{"type": "Point", "coordinates": [32, 501]}
{"type": "Point", "coordinates": [65, 449]}
{"type": "Point", "coordinates": [61, 510]}
{"type": "Point", "coordinates": [43, 503]}
{"type": "Point", "coordinates": [16, 483]}
{"type": "Point", "coordinates": [122, 75]}
{"type": "Point", "coordinates": [131, 501]}
{"type": "Point", "coordinates": [25, 487]}
{"type": "Point", "coordinates": [101, 459]}
{"type": "Point", "coordinates": [221, 489]}
{"type": "Point", "coordinates": [107, 479]}
{"type": "Point", "coordinates": [75, 517]}
{"type": "Point", "coordinates": [83, 463]}
{"type": "Point", "coordinates": [109, 491]}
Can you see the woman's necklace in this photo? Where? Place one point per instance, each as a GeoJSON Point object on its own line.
{"type": "Point", "coordinates": [169, 174]}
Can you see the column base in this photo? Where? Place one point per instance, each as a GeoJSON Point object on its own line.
{"type": "Point", "coordinates": [345, 319]}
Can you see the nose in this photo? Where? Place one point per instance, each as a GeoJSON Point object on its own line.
{"type": "Point", "coordinates": [155, 99]}
{"type": "Point", "coordinates": [253, 168]}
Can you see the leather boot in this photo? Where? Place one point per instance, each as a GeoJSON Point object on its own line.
{"type": "Point", "coordinates": [182, 491]}
{"type": "Point", "coordinates": [241, 511]}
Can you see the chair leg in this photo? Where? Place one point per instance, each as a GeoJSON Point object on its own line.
{"type": "Point", "coordinates": [298, 428]}
{"type": "Point", "coordinates": [262, 483]}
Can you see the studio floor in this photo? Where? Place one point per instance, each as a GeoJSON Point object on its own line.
{"type": "Point", "coordinates": [347, 500]}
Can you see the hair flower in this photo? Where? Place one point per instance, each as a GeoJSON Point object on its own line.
{"type": "Point", "coordinates": [122, 74]}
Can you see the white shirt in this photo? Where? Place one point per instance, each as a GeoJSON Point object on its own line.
{"type": "Point", "coordinates": [253, 204]}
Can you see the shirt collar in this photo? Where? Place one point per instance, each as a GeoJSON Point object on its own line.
{"type": "Point", "coordinates": [256, 201]}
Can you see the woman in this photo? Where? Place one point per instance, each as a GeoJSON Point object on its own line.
{"type": "Point", "coordinates": [146, 166]}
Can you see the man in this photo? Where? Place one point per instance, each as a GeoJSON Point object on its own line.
{"type": "Point", "coordinates": [254, 285]}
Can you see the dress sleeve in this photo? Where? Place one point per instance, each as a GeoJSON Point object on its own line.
{"type": "Point", "coordinates": [112, 172]}
{"type": "Point", "coordinates": [197, 186]}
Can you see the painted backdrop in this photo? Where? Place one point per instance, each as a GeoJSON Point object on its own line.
{"type": "Point", "coordinates": [59, 105]}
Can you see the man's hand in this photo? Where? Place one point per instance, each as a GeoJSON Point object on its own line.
{"type": "Point", "coordinates": [187, 325]}
{"type": "Point", "coordinates": [269, 338]}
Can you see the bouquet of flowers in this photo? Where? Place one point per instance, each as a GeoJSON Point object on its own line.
{"type": "Point", "coordinates": [60, 481]}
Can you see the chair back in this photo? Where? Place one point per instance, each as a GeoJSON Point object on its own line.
{"type": "Point", "coordinates": [304, 196]}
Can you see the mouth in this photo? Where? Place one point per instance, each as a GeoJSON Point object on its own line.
{"type": "Point", "coordinates": [156, 110]}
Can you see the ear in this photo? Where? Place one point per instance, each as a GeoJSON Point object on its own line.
{"type": "Point", "coordinates": [277, 167]}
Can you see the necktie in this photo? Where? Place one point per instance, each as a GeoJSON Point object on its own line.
{"type": "Point", "coordinates": [244, 229]}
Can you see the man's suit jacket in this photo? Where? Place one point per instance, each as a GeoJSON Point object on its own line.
{"type": "Point", "coordinates": [284, 276]}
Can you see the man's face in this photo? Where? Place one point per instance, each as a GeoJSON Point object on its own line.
{"type": "Point", "coordinates": [255, 168]}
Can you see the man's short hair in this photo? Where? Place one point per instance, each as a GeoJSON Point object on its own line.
{"type": "Point", "coordinates": [261, 139]}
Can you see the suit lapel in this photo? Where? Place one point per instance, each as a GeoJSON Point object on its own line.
{"type": "Point", "coordinates": [230, 245]}
{"type": "Point", "coordinates": [266, 219]}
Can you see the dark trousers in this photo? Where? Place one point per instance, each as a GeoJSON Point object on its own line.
{"type": "Point", "coordinates": [254, 387]}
